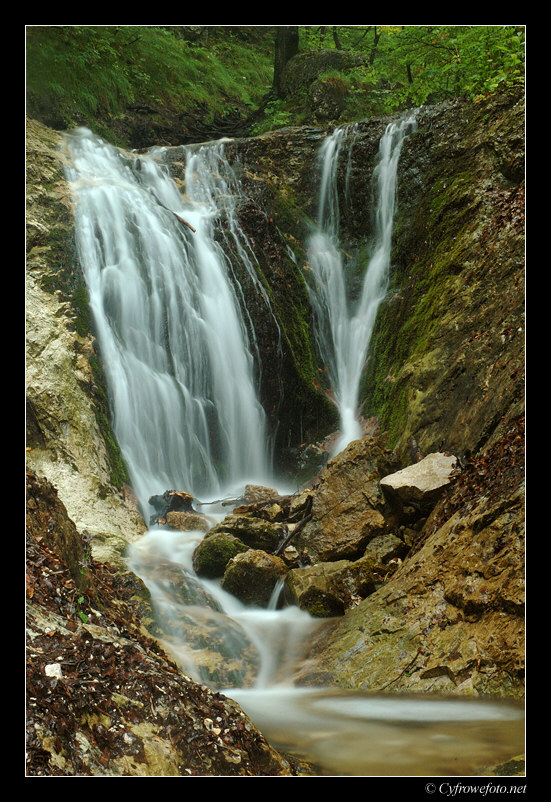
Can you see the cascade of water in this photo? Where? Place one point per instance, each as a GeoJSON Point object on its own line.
{"type": "Point", "coordinates": [343, 328]}
{"type": "Point", "coordinates": [180, 370]}
{"type": "Point", "coordinates": [179, 362]}
{"type": "Point", "coordinates": [176, 350]}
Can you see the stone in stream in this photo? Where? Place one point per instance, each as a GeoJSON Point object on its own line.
{"type": "Point", "coordinates": [212, 555]}
{"type": "Point", "coordinates": [329, 589]}
{"type": "Point", "coordinates": [252, 576]}
{"type": "Point", "coordinates": [170, 501]}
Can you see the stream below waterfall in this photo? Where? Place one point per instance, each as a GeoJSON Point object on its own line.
{"type": "Point", "coordinates": [180, 363]}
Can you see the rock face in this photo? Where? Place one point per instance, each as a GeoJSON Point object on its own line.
{"type": "Point", "coordinates": [67, 434]}
{"type": "Point", "coordinates": [447, 362]}
{"type": "Point", "coordinates": [451, 618]}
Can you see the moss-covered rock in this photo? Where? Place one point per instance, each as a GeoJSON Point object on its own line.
{"type": "Point", "coordinates": [329, 589]}
{"type": "Point", "coordinates": [256, 533]}
{"type": "Point", "coordinates": [447, 353]}
{"type": "Point", "coordinates": [212, 555]}
{"type": "Point", "coordinates": [252, 576]}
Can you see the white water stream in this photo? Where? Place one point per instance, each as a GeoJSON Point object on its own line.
{"type": "Point", "coordinates": [182, 378]}
{"type": "Point", "coordinates": [174, 346]}
{"type": "Point", "coordinates": [344, 325]}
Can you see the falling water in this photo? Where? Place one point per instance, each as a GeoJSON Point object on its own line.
{"type": "Point", "coordinates": [344, 325]}
{"type": "Point", "coordinates": [179, 362]}
{"type": "Point", "coordinates": [176, 350]}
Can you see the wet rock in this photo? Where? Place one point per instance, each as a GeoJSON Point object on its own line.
{"type": "Point", "coordinates": [291, 556]}
{"type": "Point", "coordinates": [253, 575]}
{"type": "Point", "coordinates": [170, 501]}
{"type": "Point", "coordinates": [451, 618]}
{"type": "Point", "coordinates": [384, 548]}
{"type": "Point", "coordinates": [328, 589]}
{"type": "Point", "coordinates": [255, 493]}
{"type": "Point", "coordinates": [187, 522]}
{"type": "Point", "coordinates": [212, 555]}
{"type": "Point", "coordinates": [348, 506]}
{"type": "Point", "coordinates": [256, 533]}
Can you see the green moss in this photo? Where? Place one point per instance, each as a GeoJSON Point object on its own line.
{"type": "Point", "coordinates": [443, 233]}
{"type": "Point", "coordinates": [119, 471]}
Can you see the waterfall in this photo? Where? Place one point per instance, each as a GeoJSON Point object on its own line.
{"type": "Point", "coordinates": [344, 325]}
{"type": "Point", "coordinates": [179, 359]}
{"type": "Point", "coordinates": [176, 349]}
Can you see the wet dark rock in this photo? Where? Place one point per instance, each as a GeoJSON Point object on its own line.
{"type": "Point", "coordinates": [348, 508]}
{"type": "Point", "coordinates": [212, 555]}
{"type": "Point", "coordinates": [252, 576]}
{"type": "Point", "coordinates": [256, 533]}
{"type": "Point", "coordinates": [169, 501]}
{"type": "Point", "coordinates": [329, 589]}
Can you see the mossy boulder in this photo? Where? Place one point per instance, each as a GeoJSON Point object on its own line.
{"type": "Point", "coordinates": [252, 576]}
{"type": "Point", "coordinates": [212, 555]}
{"type": "Point", "coordinates": [256, 533]}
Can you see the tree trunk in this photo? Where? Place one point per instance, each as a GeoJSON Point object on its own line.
{"type": "Point", "coordinates": [286, 46]}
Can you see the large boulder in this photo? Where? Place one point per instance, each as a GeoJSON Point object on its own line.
{"type": "Point", "coordinates": [256, 533]}
{"type": "Point", "coordinates": [213, 554]}
{"type": "Point", "coordinates": [348, 506]}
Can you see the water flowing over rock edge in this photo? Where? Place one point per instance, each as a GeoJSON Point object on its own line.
{"type": "Point", "coordinates": [37, 254]}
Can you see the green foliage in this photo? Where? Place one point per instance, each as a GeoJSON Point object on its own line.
{"type": "Point", "coordinates": [407, 65]}
{"type": "Point", "coordinates": [86, 71]}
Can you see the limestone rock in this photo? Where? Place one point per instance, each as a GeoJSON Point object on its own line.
{"type": "Point", "coordinates": [252, 575]}
{"type": "Point", "coordinates": [348, 505]}
{"type": "Point", "coordinates": [66, 440]}
{"type": "Point", "coordinates": [421, 483]}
